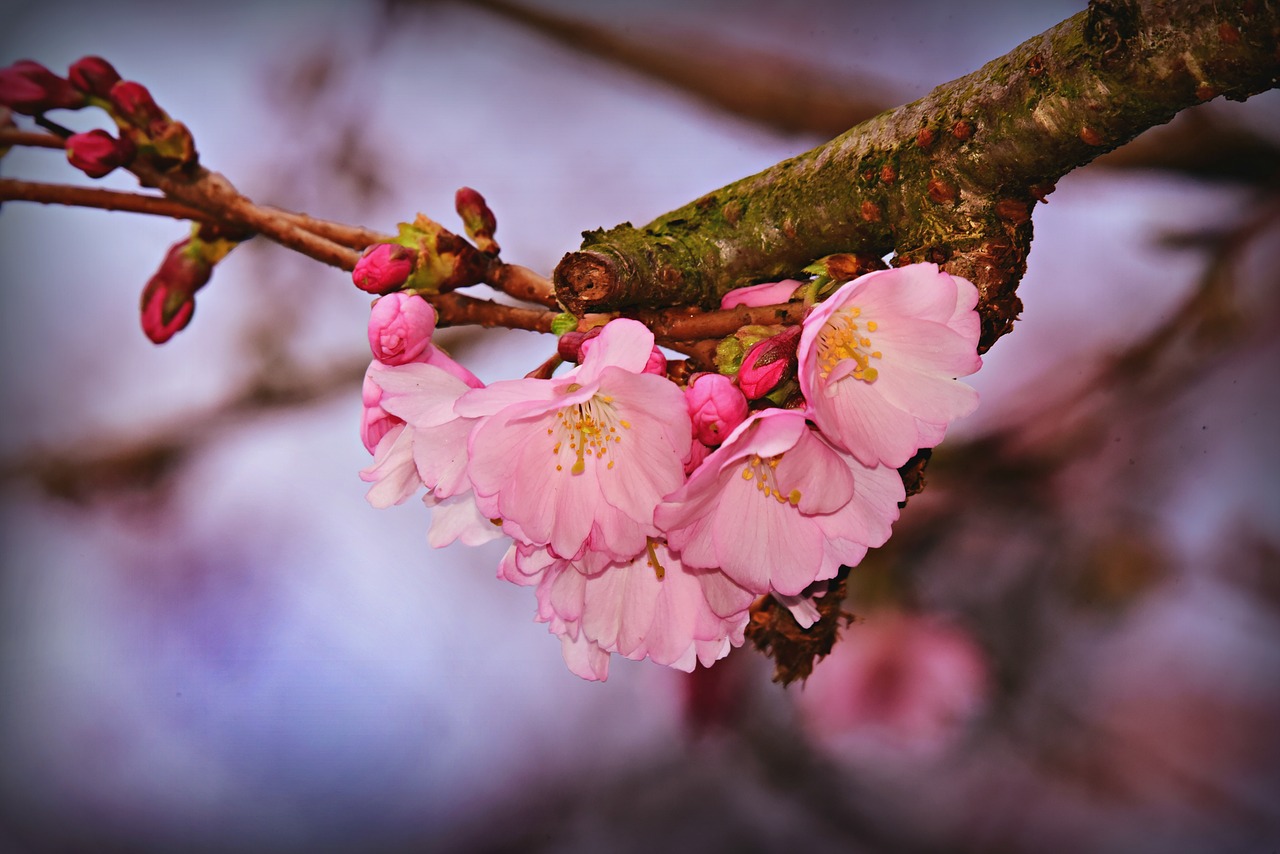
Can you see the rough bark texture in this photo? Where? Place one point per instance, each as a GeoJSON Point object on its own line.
{"type": "Point", "coordinates": [950, 178]}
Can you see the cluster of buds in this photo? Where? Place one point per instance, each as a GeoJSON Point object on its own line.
{"type": "Point", "coordinates": [427, 258]}
{"type": "Point", "coordinates": [29, 88]}
{"type": "Point", "coordinates": [169, 298]}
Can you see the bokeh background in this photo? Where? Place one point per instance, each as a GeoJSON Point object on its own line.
{"type": "Point", "coordinates": [209, 641]}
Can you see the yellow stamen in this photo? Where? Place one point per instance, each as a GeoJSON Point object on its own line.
{"type": "Point", "coordinates": [658, 569]}
{"type": "Point", "coordinates": [840, 341]}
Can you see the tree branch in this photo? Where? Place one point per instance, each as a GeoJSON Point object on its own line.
{"type": "Point", "coordinates": [93, 197]}
{"type": "Point", "coordinates": [950, 178]}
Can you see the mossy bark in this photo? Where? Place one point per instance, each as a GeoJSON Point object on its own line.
{"type": "Point", "coordinates": [951, 178]}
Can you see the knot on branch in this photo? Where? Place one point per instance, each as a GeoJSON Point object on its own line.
{"type": "Point", "coordinates": [1110, 24]}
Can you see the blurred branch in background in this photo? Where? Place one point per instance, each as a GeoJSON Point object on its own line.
{"type": "Point", "coordinates": [787, 92]}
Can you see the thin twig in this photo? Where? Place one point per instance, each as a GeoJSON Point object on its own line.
{"type": "Point", "coordinates": [454, 309]}
{"type": "Point", "coordinates": [12, 190]}
{"type": "Point", "coordinates": [10, 136]}
{"type": "Point", "coordinates": [522, 283]}
{"type": "Point", "coordinates": [692, 324]}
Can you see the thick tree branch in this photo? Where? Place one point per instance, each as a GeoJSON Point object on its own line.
{"type": "Point", "coordinates": [950, 178]}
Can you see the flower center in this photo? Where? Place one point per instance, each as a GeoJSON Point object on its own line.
{"type": "Point", "coordinates": [761, 470]}
{"type": "Point", "coordinates": [842, 338]}
{"type": "Point", "coordinates": [590, 429]}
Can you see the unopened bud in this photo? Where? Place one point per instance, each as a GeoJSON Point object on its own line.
{"type": "Point", "coordinates": [569, 345]}
{"type": "Point", "coordinates": [93, 75]}
{"type": "Point", "coordinates": [716, 407]}
{"type": "Point", "coordinates": [134, 104]}
{"type": "Point", "coordinates": [383, 268]}
{"type": "Point", "coordinates": [29, 88]}
{"type": "Point", "coordinates": [478, 219]}
{"type": "Point", "coordinates": [768, 363]}
{"type": "Point", "coordinates": [168, 300]}
{"type": "Point", "coordinates": [400, 328]}
{"type": "Point", "coordinates": [98, 153]}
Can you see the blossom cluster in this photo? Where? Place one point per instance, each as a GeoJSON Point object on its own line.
{"type": "Point", "coordinates": [649, 517]}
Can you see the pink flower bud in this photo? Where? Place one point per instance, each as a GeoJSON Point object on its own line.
{"type": "Point", "coordinates": [478, 219]}
{"type": "Point", "coordinates": [400, 328]}
{"type": "Point", "coordinates": [716, 407]}
{"type": "Point", "coordinates": [135, 105]}
{"type": "Point", "coordinates": [165, 312]}
{"type": "Point", "coordinates": [29, 88]}
{"type": "Point", "coordinates": [168, 300]}
{"type": "Point", "coordinates": [769, 293]}
{"type": "Point", "coordinates": [98, 153]}
{"type": "Point", "coordinates": [93, 75]}
{"type": "Point", "coordinates": [569, 345]}
{"type": "Point", "coordinates": [768, 363]}
{"type": "Point", "coordinates": [383, 268]}
{"type": "Point", "coordinates": [375, 422]}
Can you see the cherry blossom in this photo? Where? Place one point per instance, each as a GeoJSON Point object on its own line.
{"type": "Point", "coordinates": [899, 681]}
{"type": "Point", "coordinates": [579, 462]}
{"type": "Point", "coordinates": [878, 361]}
{"type": "Point", "coordinates": [651, 606]}
{"type": "Point", "coordinates": [777, 507]}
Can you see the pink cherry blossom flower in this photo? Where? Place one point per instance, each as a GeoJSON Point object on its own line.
{"type": "Point", "coordinates": [769, 293]}
{"type": "Point", "coordinates": [580, 461]}
{"type": "Point", "coordinates": [900, 681]}
{"type": "Point", "coordinates": [375, 422]}
{"type": "Point", "coordinates": [716, 407]}
{"type": "Point", "coordinates": [394, 476]}
{"type": "Point", "coordinates": [424, 442]}
{"type": "Point", "coordinates": [651, 606]}
{"type": "Point", "coordinates": [878, 361]}
{"type": "Point", "coordinates": [777, 507]}
{"type": "Point", "coordinates": [400, 328]}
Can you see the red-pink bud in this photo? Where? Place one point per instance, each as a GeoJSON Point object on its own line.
{"type": "Point", "coordinates": [97, 152]}
{"type": "Point", "coordinates": [29, 88]}
{"type": "Point", "coordinates": [768, 363]}
{"type": "Point", "coordinates": [400, 328]}
{"type": "Point", "coordinates": [716, 407]}
{"type": "Point", "coordinates": [168, 300]}
{"type": "Point", "coordinates": [383, 268]}
{"type": "Point", "coordinates": [478, 219]}
{"type": "Point", "coordinates": [569, 345]}
{"type": "Point", "coordinates": [93, 75]}
{"type": "Point", "coordinates": [135, 105]}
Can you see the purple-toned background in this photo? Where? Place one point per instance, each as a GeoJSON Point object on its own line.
{"type": "Point", "coordinates": [213, 643]}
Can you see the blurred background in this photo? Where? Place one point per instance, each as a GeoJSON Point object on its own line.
{"type": "Point", "coordinates": [209, 641]}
